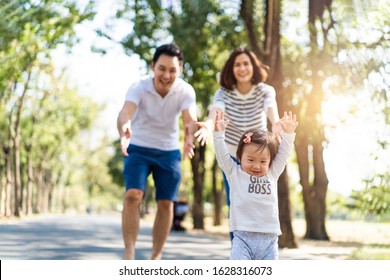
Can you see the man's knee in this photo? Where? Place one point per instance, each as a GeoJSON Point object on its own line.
{"type": "Point", "coordinates": [165, 205]}
{"type": "Point", "coordinates": [134, 196]}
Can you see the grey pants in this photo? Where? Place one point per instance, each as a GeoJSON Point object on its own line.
{"type": "Point", "coordinates": [254, 246]}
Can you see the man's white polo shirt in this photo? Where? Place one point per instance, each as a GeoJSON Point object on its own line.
{"type": "Point", "coordinates": [155, 123]}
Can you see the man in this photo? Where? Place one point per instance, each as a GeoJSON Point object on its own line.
{"type": "Point", "coordinates": [150, 118]}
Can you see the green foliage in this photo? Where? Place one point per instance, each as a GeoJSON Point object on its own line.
{"type": "Point", "coordinates": [31, 30]}
{"type": "Point", "coordinates": [337, 206]}
{"type": "Point", "coordinates": [205, 32]}
{"type": "Point", "coordinates": [52, 115]}
{"type": "Point", "coordinates": [53, 20]}
{"type": "Point", "coordinates": [355, 56]}
{"type": "Point", "coordinates": [115, 165]}
{"type": "Point", "coordinates": [375, 198]}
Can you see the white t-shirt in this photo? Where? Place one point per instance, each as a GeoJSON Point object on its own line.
{"type": "Point", "coordinates": [155, 123]}
{"type": "Point", "coordinates": [253, 201]}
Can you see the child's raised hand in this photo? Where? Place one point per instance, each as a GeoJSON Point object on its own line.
{"type": "Point", "coordinates": [220, 122]}
{"type": "Point", "coordinates": [289, 122]}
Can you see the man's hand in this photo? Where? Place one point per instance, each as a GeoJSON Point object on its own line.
{"type": "Point", "coordinates": [125, 138]}
{"type": "Point", "coordinates": [189, 146]}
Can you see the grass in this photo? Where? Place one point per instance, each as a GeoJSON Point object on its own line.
{"type": "Point", "coordinates": [371, 253]}
{"type": "Point", "coordinates": [367, 240]}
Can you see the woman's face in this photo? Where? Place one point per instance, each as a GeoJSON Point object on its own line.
{"type": "Point", "coordinates": [243, 69]}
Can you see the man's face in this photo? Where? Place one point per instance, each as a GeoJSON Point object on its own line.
{"type": "Point", "coordinates": [166, 70]}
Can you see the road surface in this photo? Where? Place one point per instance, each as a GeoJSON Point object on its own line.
{"type": "Point", "coordinates": [99, 237]}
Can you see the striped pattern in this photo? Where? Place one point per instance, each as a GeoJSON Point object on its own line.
{"type": "Point", "coordinates": [244, 112]}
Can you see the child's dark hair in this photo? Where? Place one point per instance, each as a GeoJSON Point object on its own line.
{"type": "Point", "coordinates": [170, 50]}
{"type": "Point", "coordinates": [264, 139]}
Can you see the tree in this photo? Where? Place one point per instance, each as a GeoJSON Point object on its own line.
{"type": "Point", "coordinates": [310, 136]}
{"type": "Point", "coordinates": [332, 61]}
{"type": "Point", "coordinates": [31, 30]}
{"type": "Point", "coordinates": [375, 197]}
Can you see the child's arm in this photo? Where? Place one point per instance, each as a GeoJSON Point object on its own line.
{"type": "Point", "coordinates": [225, 162]}
{"type": "Point", "coordinates": [220, 122]}
{"type": "Point", "coordinates": [288, 123]}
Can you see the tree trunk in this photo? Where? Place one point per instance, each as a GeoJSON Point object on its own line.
{"type": "Point", "coordinates": [46, 191]}
{"type": "Point", "coordinates": [8, 183]}
{"type": "Point", "coordinates": [29, 144]}
{"type": "Point", "coordinates": [30, 180]}
{"type": "Point", "coordinates": [272, 58]}
{"type": "Point", "coordinates": [17, 180]}
{"type": "Point", "coordinates": [51, 183]}
{"type": "Point", "coordinates": [16, 142]}
{"type": "Point", "coordinates": [39, 194]}
{"type": "Point", "coordinates": [246, 13]}
{"type": "Point", "coordinates": [1, 185]}
{"type": "Point", "coordinates": [287, 239]}
{"type": "Point", "coordinates": [197, 164]}
{"type": "Point", "coordinates": [313, 195]}
{"type": "Point", "coordinates": [310, 135]}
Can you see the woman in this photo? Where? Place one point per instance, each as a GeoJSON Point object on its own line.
{"type": "Point", "coordinates": [246, 100]}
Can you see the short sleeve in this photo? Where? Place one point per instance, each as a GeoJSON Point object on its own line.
{"type": "Point", "coordinates": [269, 97]}
{"type": "Point", "coordinates": [218, 100]}
{"type": "Point", "coordinates": [134, 93]}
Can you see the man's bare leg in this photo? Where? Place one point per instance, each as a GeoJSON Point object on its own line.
{"type": "Point", "coordinates": [162, 227]}
{"type": "Point", "coordinates": [130, 221]}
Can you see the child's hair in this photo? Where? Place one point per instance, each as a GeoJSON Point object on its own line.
{"type": "Point", "coordinates": [264, 139]}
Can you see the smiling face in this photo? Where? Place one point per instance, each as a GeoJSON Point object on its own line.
{"type": "Point", "coordinates": [255, 161]}
{"type": "Point", "coordinates": [166, 69]}
{"type": "Point", "coordinates": [243, 69]}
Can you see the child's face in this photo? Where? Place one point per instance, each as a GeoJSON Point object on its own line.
{"type": "Point", "coordinates": [254, 161]}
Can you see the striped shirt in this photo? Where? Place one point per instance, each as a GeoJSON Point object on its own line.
{"type": "Point", "coordinates": [244, 111]}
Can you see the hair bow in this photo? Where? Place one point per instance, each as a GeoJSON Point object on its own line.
{"type": "Point", "coordinates": [247, 139]}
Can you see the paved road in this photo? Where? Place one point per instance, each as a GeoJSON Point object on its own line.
{"type": "Point", "coordinates": [99, 237]}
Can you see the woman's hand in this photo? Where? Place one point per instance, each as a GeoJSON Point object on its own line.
{"type": "Point", "coordinates": [203, 133]}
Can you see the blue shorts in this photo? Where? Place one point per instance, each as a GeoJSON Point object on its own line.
{"type": "Point", "coordinates": [164, 166]}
